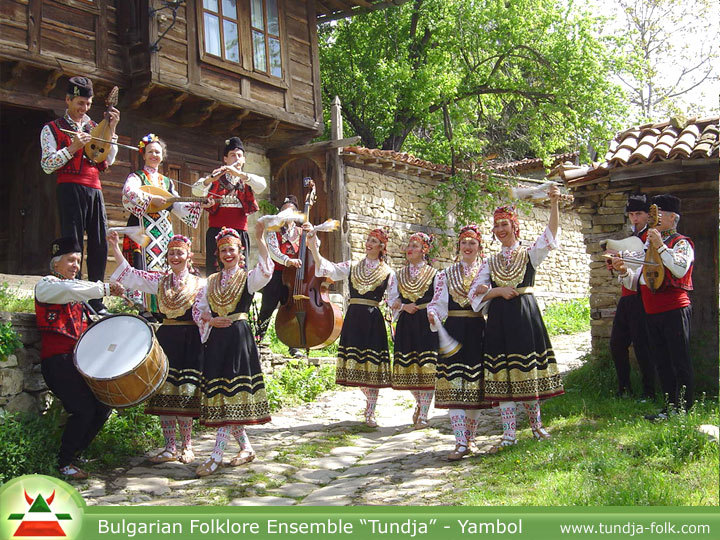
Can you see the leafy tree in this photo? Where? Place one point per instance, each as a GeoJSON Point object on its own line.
{"type": "Point", "coordinates": [451, 80]}
{"type": "Point", "coordinates": [669, 48]}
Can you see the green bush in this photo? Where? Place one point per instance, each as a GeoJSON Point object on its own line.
{"type": "Point", "coordinates": [9, 340]}
{"type": "Point", "coordinates": [567, 317]}
{"type": "Point", "coordinates": [298, 382]}
{"type": "Point", "coordinates": [13, 302]}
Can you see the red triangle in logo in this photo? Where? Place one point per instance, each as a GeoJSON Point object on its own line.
{"type": "Point", "coordinates": [39, 528]}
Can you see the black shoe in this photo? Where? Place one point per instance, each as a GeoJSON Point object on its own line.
{"type": "Point", "coordinates": [295, 353]}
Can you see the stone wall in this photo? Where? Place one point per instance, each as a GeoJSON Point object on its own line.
{"type": "Point", "coordinates": [22, 387]}
{"type": "Point", "coordinates": [379, 197]}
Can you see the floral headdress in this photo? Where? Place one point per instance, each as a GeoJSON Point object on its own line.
{"type": "Point", "coordinates": [424, 239]}
{"type": "Point", "coordinates": [180, 241]}
{"type": "Point", "coordinates": [508, 212]}
{"type": "Point", "coordinates": [228, 236]}
{"type": "Point", "coordinates": [147, 139]}
{"type": "Point", "coordinates": [382, 234]}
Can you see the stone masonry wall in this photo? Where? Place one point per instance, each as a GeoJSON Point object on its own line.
{"type": "Point", "coordinates": [400, 201]}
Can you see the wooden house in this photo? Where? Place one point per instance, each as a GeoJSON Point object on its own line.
{"type": "Point", "coordinates": [192, 71]}
{"type": "Point", "coordinates": [675, 157]}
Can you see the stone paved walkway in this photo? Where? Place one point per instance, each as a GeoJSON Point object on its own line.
{"type": "Point", "coordinates": [319, 454]}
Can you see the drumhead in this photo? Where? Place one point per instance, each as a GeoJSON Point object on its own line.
{"type": "Point", "coordinates": [113, 346]}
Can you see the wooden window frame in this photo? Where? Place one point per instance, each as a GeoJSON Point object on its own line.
{"type": "Point", "coordinates": [90, 6]}
{"type": "Point", "coordinates": [245, 67]}
{"type": "Point", "coordinates": [266, 35]}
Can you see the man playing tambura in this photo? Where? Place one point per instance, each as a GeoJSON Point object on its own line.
{"type": "Point", "coordinates": [61, 319]}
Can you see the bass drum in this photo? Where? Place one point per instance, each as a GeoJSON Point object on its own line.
{"type": "Point", "coordinates": [121, 360]}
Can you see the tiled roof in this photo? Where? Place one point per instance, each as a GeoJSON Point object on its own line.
{"type": "Point", "coordinates": [651, 143]}
{"type": "Point", "coordinates": [409, 159]}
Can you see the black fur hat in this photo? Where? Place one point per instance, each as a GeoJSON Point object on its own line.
{"type": "Point", "coordinates": [66, 244]}
{"type": "Point", "coordinates": [669, 203]}
{"type": "Point", "coordinates": [637, 203]}
{"type": "Point", "coordinates": [80, 87]}
{"type": "Point", "coordinates": [233, 143]}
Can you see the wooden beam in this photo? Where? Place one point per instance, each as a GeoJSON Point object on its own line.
{"type": "Point", "coordinates": [51, 81]}
{"type": "Point", "coordinates": [644, 171]}
{"type": "Point", "coordinates": [167, 105]}
{"type": "Point", "coordinates": [16, 74]}
{"type": "Point", "coordinates": [197, 114]}
{"type": "Point", "coordinates": [137, 96]}
{"type": "Point", "coordinates": [313, 147]}
{"type": "Point", "coordinates": [33, 33]}
{"type": "Point", "coordinates": [228, 122]}
{"type": "Point", "coordinates": [24, 99]}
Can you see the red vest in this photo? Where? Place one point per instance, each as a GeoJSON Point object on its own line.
{"type": "Point", "coordinates": [643, 236]}
{"type": "Point", "coordinates": [231, 216]}
{"type": "Point", "coordinates": [60, 325]}
{"type": "Point", "coordinates": [673, 293]}
{"type": "Point", "coordinates": [286, 248]}
{"type": "Point", "coordinates": [79, 170]}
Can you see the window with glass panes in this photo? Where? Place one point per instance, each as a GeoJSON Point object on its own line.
{"type": "Point", "coordinates": [265, 24]}
{"type": "Point", "coordinates": [220, 29]}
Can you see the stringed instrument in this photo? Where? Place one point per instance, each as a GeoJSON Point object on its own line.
{"type": "Point", "coordinates": [98, 148]}
{"type": "Point", "coordinates": [653, 273]}
{"type": "Point", "coordinates": [308, 319]}
{"type": "Point", "coordinates": [170, 198]}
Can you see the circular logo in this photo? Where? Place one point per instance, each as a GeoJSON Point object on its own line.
{"type": "Point", "coordinates": [37, 506]}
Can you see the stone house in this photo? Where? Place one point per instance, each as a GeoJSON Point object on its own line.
{"type": "Point", "coordinates": [670, 157]}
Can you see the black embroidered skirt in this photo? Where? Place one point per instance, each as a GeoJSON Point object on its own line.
{"type": "Point", "coordinates": [363, 358]}
{"type": "Point", "coordinates": [180, 395]}
{"type": "Point", "coordinates": [233, 388]}
{"type": "Point", "coordinates": [519, 363]}
{"type": "Point", "coordinates": [415, 352]}
{"type": "Point", "coordinates": [458, 383]}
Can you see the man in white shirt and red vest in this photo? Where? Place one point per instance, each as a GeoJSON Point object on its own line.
{"type": "Point", "coordinates": [668, 309]}
{"type": "Point", "coordinates": [629, 324]}
{"type": "Point", "coordinates": [79, 193]}
{"type": "Point", "coordinates": [239, 188]}
{"type": "Point", "coordinates": [284, 248]}
{"type": "Point", "coordinates": [62, 318]}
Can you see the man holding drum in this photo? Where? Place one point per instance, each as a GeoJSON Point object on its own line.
{"type": "Point", "coordinates": [61, 319]}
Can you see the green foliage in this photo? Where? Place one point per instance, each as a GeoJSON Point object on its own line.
{"type": "Point", "coordinates": [115, 304]}
{"type": "Point", "coordinates": [29, 443]}
{"type": "Point", "coordinates": [298, 382]}
{"type": "Point", "coordinates": [12, 301]}
{"type": "Point", "coordinates": [9, 340]}
{"type": "Point", "coordinates": [267, 208]}
{"type": "Point", "coordinates": [567, 317]}
{"type": "Point", "coordinates": [451, 80]}
{"type": "Point", "coordinates": [603, 452]}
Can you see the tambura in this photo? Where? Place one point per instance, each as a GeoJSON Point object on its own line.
{"type": "Point", "coordinates": [121, 360]}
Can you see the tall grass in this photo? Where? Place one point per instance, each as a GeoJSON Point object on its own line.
{"type": "Point", "coordinates": [567, 317]}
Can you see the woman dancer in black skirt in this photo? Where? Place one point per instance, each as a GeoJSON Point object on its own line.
{"type": "Point", "coordinates": [415, 344]}
{"type": "Point", "coordinates": [519, 363]}
{"type": "Point", "coordinates": [178, 400]}
{"type": "Point", "coordinates": [363, 357]}
{"type": "Point", "coordinates": [458, 385]}
{"type": "Point", "coordinates": [233, 389]}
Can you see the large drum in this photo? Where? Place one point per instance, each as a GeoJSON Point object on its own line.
{"type": "Point", "coordinates": [121, 360]}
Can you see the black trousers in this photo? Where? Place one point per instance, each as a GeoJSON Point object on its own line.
{"type": "Point", "coordinates": [82, 210]}
{"type": "Point", "coordinates": [630, 327]}
{"type": "Point", "coordinates": [211, 261]}
{"type": "Point", "coordinates": [274, 293]}
{"type": "Point", "coordinates": [669, 335]}
{"type": "Point", "coordinates": [87, 414]}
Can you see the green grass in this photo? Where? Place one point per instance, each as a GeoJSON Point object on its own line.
{"type": "Point", "coordinates": [603, 453]}
{"type": "Point", "coordinates": [297, 382]}
{"type": "Point", "coordinates": [11, 301]}
{"type": "Point", "coordinates": [567, 317]}
{"type": "Point", "coordinates": [298, 454]}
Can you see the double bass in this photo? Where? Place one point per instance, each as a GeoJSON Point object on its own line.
{"type": "Point", "coordinates": [308, 319]}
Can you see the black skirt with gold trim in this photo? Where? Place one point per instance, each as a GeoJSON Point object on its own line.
{"type": "Point", "coordinates": [363, 357]}
{"type": "Point", "coordinates": [519, 359]}
{"type": "Point", "coordinates": [180, 394]}
{"type": "Point", "coordinates": [233, 388]}
{"type": "Point", "coordinates": [416, 348]}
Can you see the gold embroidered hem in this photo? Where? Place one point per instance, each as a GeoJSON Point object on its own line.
{"type": "Point", "coordinates": [458, 283]}
{"type": "Point", "coordinates": [363, 367]}
{"type": "Point", "coordinates": [364, 280]}
{"type": "Point", "coordinates": [412, 289]}
{"type": "Point", "coordinates": [538, 388]}
{"type": "Point", "coordinates": [517, 376]}
{"type": "Point", "coordinates": [241, 408]}
{"type": "Point", "coordinates": [414, 370]}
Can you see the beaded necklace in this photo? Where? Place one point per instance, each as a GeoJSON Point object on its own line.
{"type": "Point", "coordinates": [174, 301]}
{"type": "Point", "coordinates": [414, 288]}
{"type": "Point", "coordinates": [459, 284]}
{"type": "Point", "coordinates": [512, 272]}
{"type": "Point", "coordinates": [365, 280]}
{"type": "Point", "coordinates": [223, 300]}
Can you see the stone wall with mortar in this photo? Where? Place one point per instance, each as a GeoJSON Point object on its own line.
{"type": "Point", "coordinates": [377, 197]}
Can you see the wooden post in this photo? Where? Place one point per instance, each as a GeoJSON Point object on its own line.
{"type": "Point", "coordinates": [336, 181]}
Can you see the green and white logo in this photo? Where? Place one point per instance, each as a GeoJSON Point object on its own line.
{"type": "Point", "coordinates": [37, 506]}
